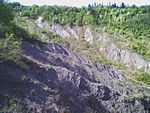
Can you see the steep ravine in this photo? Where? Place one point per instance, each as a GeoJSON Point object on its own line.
{"type": "Point", "coordinates": [111, 51]}
{"type": "Point", "coordinates": [53, 80]}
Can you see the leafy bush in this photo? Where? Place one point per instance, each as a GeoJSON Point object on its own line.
{"type": "Point", "coordinates": [10, 48]}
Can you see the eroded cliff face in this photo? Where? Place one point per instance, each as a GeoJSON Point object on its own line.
{"type": "Point", "coordinates": [51, 79]}
{"type": "Point", "coordinates": [54, 80]}
{"type": "Point", "coordinates": [110, 50]}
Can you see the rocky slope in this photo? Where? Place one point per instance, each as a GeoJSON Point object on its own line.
{"type": "Point", "coordinates": [53, 80]}
{"type": "Point", "coordinates": [110, 50]}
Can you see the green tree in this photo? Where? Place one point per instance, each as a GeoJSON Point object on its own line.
{"type": "Point", "coordinates": [6, 13]}
{"type": "Point", "coordinates": [88, 19]}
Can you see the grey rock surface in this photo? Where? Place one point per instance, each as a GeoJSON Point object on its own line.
{"type": "Point", "coordinates": [110, 50]}
{"type": "Point", "coordinates": [57, 81]}
{"type": "Point", "coordinates": [123, 55]}
{"type": "Point", "coordinates": [88, 35]}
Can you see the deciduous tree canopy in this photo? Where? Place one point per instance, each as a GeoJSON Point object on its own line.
{"type": "Point", "coordinates": [6, 13]}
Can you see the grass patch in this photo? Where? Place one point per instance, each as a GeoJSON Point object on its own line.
{"type": "Point", "coordinates": [143, 77]}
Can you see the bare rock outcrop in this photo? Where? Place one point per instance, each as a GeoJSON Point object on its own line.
{"type": "Point", "coordinates": [110, 50]}
{"type": "Point", "coordinates": [123, 55]}
{"type": "Point", "coordinates": [54, 81]}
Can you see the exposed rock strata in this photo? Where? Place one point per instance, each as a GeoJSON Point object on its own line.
{"type": "Point", "coordinates": [110, 50]}
{"type": "Point", "coordinates": [56, 80]}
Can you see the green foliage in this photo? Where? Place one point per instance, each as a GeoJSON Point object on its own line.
{"type": "Point", "coordinates": [10, 48]}
{"type": "Point", "coordinates": [57, 40]}
{"type": "Point", "coordinates": [10, 39]}
{"type": "Point", "coordinates": [6, 13]}
{"type": "Point", "coordinates": [143, 77]}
